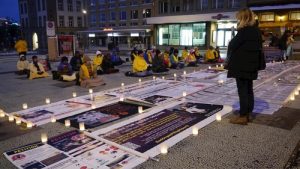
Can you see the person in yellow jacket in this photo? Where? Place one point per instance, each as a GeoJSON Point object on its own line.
{"type": "Point", "coordinates": [191, 59]}
{"type": "Point", "coordinates": [88, 75]}
{"type": "Point", "coordinates": [36, 69]}
{"type": "Point", "coordinates": [185, 54]}
{"type": "Point", "coordinates": [167, 61]}
{"type": "Point", "coordinates": [210, 55]}
{"type": "Point", "coordinates": [21, 47]}
{"type": "Point", "coordinates": [140, 67]}
{"type": "Point", "coordinates": [97, 62]}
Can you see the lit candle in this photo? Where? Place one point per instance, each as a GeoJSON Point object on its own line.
{"type": "Point", "coordinates": [25, 106]}
{"type": "Point", "coordinates": [121, 98]}
{"type": "Point", "coordinates": [92, 97]}
{"type": "Point", "coordinates": [222, 65]}
{"type": "Point", "coordinates": [184, 72]}
{"type": "Point", "coordinates": [11, 118]}
{"type": "Point", "coordinates": [2, 114]}
{"type": "Point", "coordinates": [140, 108]}
{"type": "Point", "coordinates": [140, 80]}
{"type": "Point", "coordinates": [122, 84]}
{"type": "Point", "coordinates": [81, 126]}
{"type": "Point", "coordinates": [29, 125]}
{"type": "Point", "coordinates": [218, 117]}
{"type": "Point", "coordinates": [44, 138]}
{"type": "Point", "coordinates": [93, 106]}
{"type": "Point", "coordinates": [195, 131]}
{"type": "Point", "coordinates": [163, 78]}
{"type": "Point", "coordinates": [18, 121]}
{"type": "Point", "coordinates": [292, 98]}
{"type": "Point", "coordinates": [175, 75]}
{"type": "Point", "coordinates": [299, 88]}
{"type": "Point", "coordinates": [217, 66]}
{"type": "Point", "coordinates": [220, 82]}
{"type": "Point", "coordinates": [296, 92]}
{"type": "Point", "coordinates": [164, 149]}
{"type": "Point", "coordinates": [67, 123]}
{"type": "Point", "coordinates": [74, 94]}
{"type": "Point", "coordinates": [90, 91]}
{"type": "Point", "coordinates": [47, 100]}
{"type": "Point", "coordinates": [184, 93]}
{"type": "Point", "coordinates": [53, 119]}
{"type": "Point", "coordinates": [209, 67]}
{"type": "Point", "coordinates": [154, 78]}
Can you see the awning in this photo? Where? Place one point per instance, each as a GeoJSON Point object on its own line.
{"type": "Point", "coordinates": [230, 16]}
{"type": "Point", "coordinates": [275, 7]}
{"type": "Point", "coordinates": [115, 30]}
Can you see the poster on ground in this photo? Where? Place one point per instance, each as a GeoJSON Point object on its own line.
{"type": "Point", "coordinates": [102, 115]}
{"type": "Point", "coordinates": [146, 133]}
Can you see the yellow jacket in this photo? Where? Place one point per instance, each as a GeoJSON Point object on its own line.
{"type": "Point", "coordinates": [191, 58]}
{"type": "Point", "coordinates": [84, 72]}
{"type": "Point", "coordinates": [139, 64]}
{"type": "Point", "coordinates": [149, 54]}
{"type": "Point", "coordinates": [209, 55]}
{"type": "Point", "coordinates": [167, 59]}
{"type": "Point", "coordinates": [21, 46]}
{"type": "Point", "coordinates": [184, 55]}
{"type": "Point", "coordinates": [97, 60]}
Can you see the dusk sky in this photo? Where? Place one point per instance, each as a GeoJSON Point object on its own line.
{"type": "Point", "coordinates": [9, 8]}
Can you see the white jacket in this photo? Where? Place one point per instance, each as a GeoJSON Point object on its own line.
{"type": "Point", "coordinates": [33, 69]}
{"type": "Point", "coordinates": [21, 65]}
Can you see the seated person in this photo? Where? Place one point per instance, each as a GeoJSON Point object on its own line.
{"type": "Point", "coordinates": [218, 55]}
{"type": "Point", "coordinates": [140, 66]}
{"type": "Point", "coordinates": [65, 71]}
{"type": "Point", "coordinates": [148, 56]}
{"type": "Point", "coordinates": [36, 69]}
{"type": "Point", "coordinates": [158, 65]}
{"type": "Point", "coordinates": [115, 59]}
{"type": "Point", "coordinates": [197, 54]}
{"type": "Point", "coordinates": [107, 65]}
{"type": "Point", "coordinates": [191, 59]}
{"type": "Point", "coordinates": [184, 54]}
{"type": "Point", "coordinates": [22, 66]}
{"type": "Point", "coordinates": [133, 54]}
{"type": "Point", "coordinates": [210, 55]}
{"type": "Point", "coordinates": [97, 62]}
{"type": "Point", "coordinates": [175, 64]}
{"type": "Point", "coordinates": [87, 74]}
{"type": "Point", "coordinates": [167, 59]}
{"type": "Point", "coordinates": [76, 61]}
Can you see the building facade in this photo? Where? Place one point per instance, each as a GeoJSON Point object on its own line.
{"type": "Point", "coordinates": [197, 23]}
{"type": "Point", "coordinates": [120, 22]}
{"type": "Point", "coordinates": [69, 16]}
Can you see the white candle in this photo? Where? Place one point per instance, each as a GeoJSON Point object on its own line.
{"type": "Point", "coordinates": [11, 118]}
{"type": "Point", "coordinates": [140, 80]}
{"type": "Point", "coordinates": [18, 121]}
{"type": "Point", "coordinates": [121, 98]}
{"type": "Point", "coordinates": [154, 78]}
{"type": "Point", "coordinates": [184, 72]}
{"type": "Point", "coordinates": [44, 138]}
{"type": "Point", "coordinates": [209, 67]}
{"type": "Point", "coordinates": [81, 126]}
{"type": "Point", "coordinates": [195, 131]}
{"type": "Point", "coordinates": [29, 125]}
{"type": "Point", "coordinates": [299, 88]}
{"type": "Point", "coordinates": [93, 106]}
{"type": "Point", "coordinates": [222, 65]}
{"type": "Point", "coordinates": [122, 84]}
{"type": "Point", "coordinates": [74, 94]}
{"type": "Point", "coordinates": [25, 106]}
{"type": "Point", "coordinates": [164, 149]}
{"type": "Point", "coordinates": [53, 119]}
{"type": "Point", "coordinates": [2, 114]}
{"type": "Point", "coordinates": [163, 78]}
{"type": "Point", "coordinates": [218, 117]}
{"type": "Point", "coordinates": [184, 93]}
{"type": "Point", "coordinates": [217, 66]}
{"type": "Point", "coordinates": [175, 75]}
{"type": "Point", "coordinates": [292, 98]}
{"type": "Point", "coordinates": [296, 92]}
{"type": "Point", "coordinates": [47, 100]}
{"type": "Point", "coordinates": [67, 123]}
{"type": "Point", "coordinates": [140, 108]}
{"type": "Point", "coordinates": [220, 82]}
{"type": "Point", "coordinates": [92, 97]}
{"type": "Point", "coordinates": [90, 91]}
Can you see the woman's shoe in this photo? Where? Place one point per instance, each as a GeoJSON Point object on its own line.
{"type": "Point", "coordinates": [242, 120]}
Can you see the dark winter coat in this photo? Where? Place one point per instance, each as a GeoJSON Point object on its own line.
{"type": "Point", "coordinates": [245, 53]}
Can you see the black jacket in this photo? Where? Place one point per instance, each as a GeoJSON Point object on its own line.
{"type": "Point", "coordinates": [245, 52]}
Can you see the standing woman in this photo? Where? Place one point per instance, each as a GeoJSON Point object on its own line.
{"type": "Point", "coordinates": [245, 59]}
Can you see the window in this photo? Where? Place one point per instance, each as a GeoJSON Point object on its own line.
{"type": "Point", "coordinates": [25, 8]}
{"type": "Point", "coordinates": [79, 21]}
{"type": "Point", "coordinates": [21, 8]}
{"type": "Point", "coordinates": [112, 16]}
{"type": "Point", "coordinates": [122, 4]}
{"type": "Point", "coordinates": [111, 1]}
{"type": "Point", "coordinates": [163, 35]}
{"type": "Point", "coordinates": [203, 4]}
{"type": "Point", "coordinates": [71, 21]}
{"type": "Point", "coordinates": [234, 3]}
{"type": "Point", "coordinates": [122, 24]}
{"type": "Point", "coordinates": [175, 6]}
{"type": "Point", "coordinates": [40, 23]}
{"type": "Point", "coordinates": [112, 25]}
{"type": "Point", "coordinates": [112, 5]}
{"type": "Point", "coordinates": [60, 5]}
{"type": "Point", "coordinates": [93, 18]}
{"type": "Point", "coordinates": [188, 5]}
{"type": "Point", "coordinates": [163, 7]}
{"type": "Point", "coordinates": [70, 5]}
{"type": "Point", "coordinates": [147, 1]}
{"type": "Point", "coordinates": [134, 23]}
{"type": "Point", "coordinates": [61, 21]}
{"type": "Point", "coordinates": [134, 3]}
{"type": "Point", "coordinates": [78, 6]}
{"type": "Point", "coordinates": [102, 7]}
{"type": "Point", "coordinates": [134, 14]}
{"type": "Point", "coordinates": [123, 15]}
{"type": "Point", "coordinates": [43, 5]}
{"type": "Point", "coordinates": [27, 22]}
{"type": "Point", "coordinates": [147, 13]}
{"type": "Point", "coordinates": [39, 5]}
{"type": "Point", "coordinates": [45, 21]}
{"type": "Point", "coordinates": [23, 22]}
{"type": "Point", "coordinates": [101, 25]}
{"type": "Point", "coordinates": [174, 32]}
{"type": "Point", "coordinates": [199, 33]}
{"type": "Point", "coordinates": [92, 2]}
{"type": "Point", "coordinates": [295, 15]}
{"type": "Point", "coordinates": [101, 1]}
{"type": "Point", "coordinates": [218, 4]}
{"type": "Point", "coordinates": [186, 35]}
{"type": "Point", "coordinates": [102, 17]}
{"type": "Point", "coordinates": [267, 17]}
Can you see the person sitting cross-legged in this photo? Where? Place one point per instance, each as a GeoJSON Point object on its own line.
{"type": "Point", "coordinates": [107, 65]}
{"type": "Point", "coordinates": [191, 59]}
{"type": "Point", "coordinates": [65, 71]}
{"type": "Point", "coordinates": [97, 62]}
{"type": "Point", "coordinates": [174, 59]}
{"type": "Point", "coordinates": [88, 75]}
{"type": "Point", "coordinates": [22, 66]}
{"type": "Point", "coordinates": [158, 65]}
{"type": "Point", "coordinates": [140, 66]}
{"type": "Point", "coordinates": [36, 69]}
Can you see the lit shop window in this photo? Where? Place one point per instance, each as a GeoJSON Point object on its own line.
{"type": "Point", "coordinates": [295, 15]}
{"type": "Point", "coordinates": [186, 35]}
{"type": "Point", "coordinates": [267, 17]}
{"type": "Point", "coordinates": [147, 13]}
{"type": "Point", "coordinates": [174, 31]}
{"type": "Point", "coordinates": [199, 33]}
{"type": "Point", "coordinates": [163, 35]}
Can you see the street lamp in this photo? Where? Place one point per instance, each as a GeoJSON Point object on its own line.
{"type": "Point", "coordinates": [84, 11]}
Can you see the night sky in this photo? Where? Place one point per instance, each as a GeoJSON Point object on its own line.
{"type": "Point", "coordinates": [9, 8]}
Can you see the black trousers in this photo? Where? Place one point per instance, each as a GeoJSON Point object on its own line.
{"type": "Point", "coordinates": [246, 95]}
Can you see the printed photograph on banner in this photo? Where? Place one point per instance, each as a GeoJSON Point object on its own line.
{"type": "Point", "coordinates": [102, 115]}
{"type": "Point", "coordinates": [145, 134]}
{"type": "Point", "coordinates": [100, 98]}
{"type": "Point", "coordinates": [37, 156]}
{"type": "Point", "coordinates": [156, 99]}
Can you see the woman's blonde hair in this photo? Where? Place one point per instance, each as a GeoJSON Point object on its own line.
{"type": "Point", "coordinates": [245, 17]}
